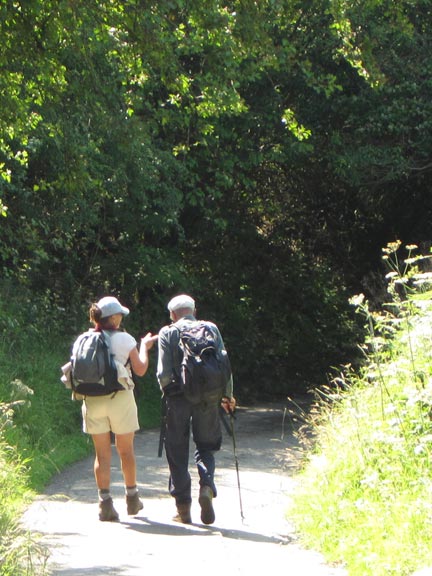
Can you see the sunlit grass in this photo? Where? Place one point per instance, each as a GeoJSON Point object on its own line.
{"type": "Point", "coordinates": [364, 497]}
{"type": "Point", "coordinates": [20, 552]}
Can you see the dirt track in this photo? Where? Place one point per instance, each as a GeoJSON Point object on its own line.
{"type": "Point", "coordinates": [151, 543]}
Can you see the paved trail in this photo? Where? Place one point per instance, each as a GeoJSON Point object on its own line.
{"type": "Point", "coordinates": [151, 543]}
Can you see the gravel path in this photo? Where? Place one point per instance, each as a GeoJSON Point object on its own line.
{"type": "Point", "coordinates": [151, 543]}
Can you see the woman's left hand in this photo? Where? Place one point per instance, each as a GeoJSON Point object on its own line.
{"type": "Point", "coordinates": [148, 340]}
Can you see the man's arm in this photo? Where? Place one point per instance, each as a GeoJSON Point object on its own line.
{"type": "Point", "coordinates": [165, 368]}
{"type": "Point", "coordinates": [228, 401]}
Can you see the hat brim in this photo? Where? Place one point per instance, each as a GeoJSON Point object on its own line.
{"type": "Point", "coordinates": [124, 310]}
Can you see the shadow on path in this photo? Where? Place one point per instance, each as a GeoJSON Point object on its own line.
{"type": "Point", "coordinates": [66, 515]}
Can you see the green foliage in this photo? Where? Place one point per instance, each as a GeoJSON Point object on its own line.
{"type": "Point", "coordinates": [139, 143]}
{"type": "Point", "coordinates": [363, 498]}
{"type": "Point", "coordinates": [275, 311]}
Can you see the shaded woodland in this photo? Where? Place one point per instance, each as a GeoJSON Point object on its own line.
{"type": "Point", "coordinates": [256, 154]}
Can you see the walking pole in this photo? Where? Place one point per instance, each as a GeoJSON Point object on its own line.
{"type": "Point", "coordinates": [162, 427]}
{"type": "Point", "coordinates": [231, 413]}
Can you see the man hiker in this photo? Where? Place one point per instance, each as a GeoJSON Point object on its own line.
{"type": "Point", "coordinates": [183, 411]}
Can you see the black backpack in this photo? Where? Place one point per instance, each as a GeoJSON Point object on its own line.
{"type": "Point", "coordinates": [93, 369]}
{"type": "Point", "coordinates": [205, 370]}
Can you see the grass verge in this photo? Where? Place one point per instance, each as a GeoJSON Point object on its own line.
{"type": "Point", "coordinates": [364, 496]}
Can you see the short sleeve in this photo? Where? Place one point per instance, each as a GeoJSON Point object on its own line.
{"type": "Point", "coordinates": [121, 345]}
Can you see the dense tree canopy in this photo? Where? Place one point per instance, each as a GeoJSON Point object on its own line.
{"type": "Point", "coordinates": [257, 154]}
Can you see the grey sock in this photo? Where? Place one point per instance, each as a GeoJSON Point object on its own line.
{"type": "Point", "coordinates": [104, 494]}
{"type": "Point", "coordinates": [131, 490]}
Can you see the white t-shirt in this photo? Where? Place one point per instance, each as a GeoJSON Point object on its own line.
{"type": "Point", "coordinates": [121, 345]}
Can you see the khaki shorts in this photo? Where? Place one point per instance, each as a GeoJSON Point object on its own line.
{"type": "Point", "coordinates": [116, 413]}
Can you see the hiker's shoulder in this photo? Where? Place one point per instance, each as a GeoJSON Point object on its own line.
{"type": "Point", "coordinates": [122, 337]}
{"type": "Point", "coordinates": [182, 323]}
{"type": "Point", "coordinates": [211, 325]}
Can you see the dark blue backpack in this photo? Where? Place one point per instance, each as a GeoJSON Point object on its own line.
{"type": "Point", "coordinates": [205, 369]}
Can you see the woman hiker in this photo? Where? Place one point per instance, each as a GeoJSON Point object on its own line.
{"type": "Point", "coordinates": [116, 412]}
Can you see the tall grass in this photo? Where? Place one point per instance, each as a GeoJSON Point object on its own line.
{"type": "Point", "coordinates": [20, 553]}
{"type": "Point", "coordinates": [364, 496]}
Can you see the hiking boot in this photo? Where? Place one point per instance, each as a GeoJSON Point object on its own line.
{"type": "Point", "coordinates": [107, 511]}
{"type": "Point", "coordinates": [134, 504]}
{"type": "Point", "coordinates": [183, 513]}
{"type": "Point", "coordinates": [205, 501]}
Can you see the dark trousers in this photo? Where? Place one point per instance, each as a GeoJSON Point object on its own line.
{"type": "Point", "coordinates": [207, 436]}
